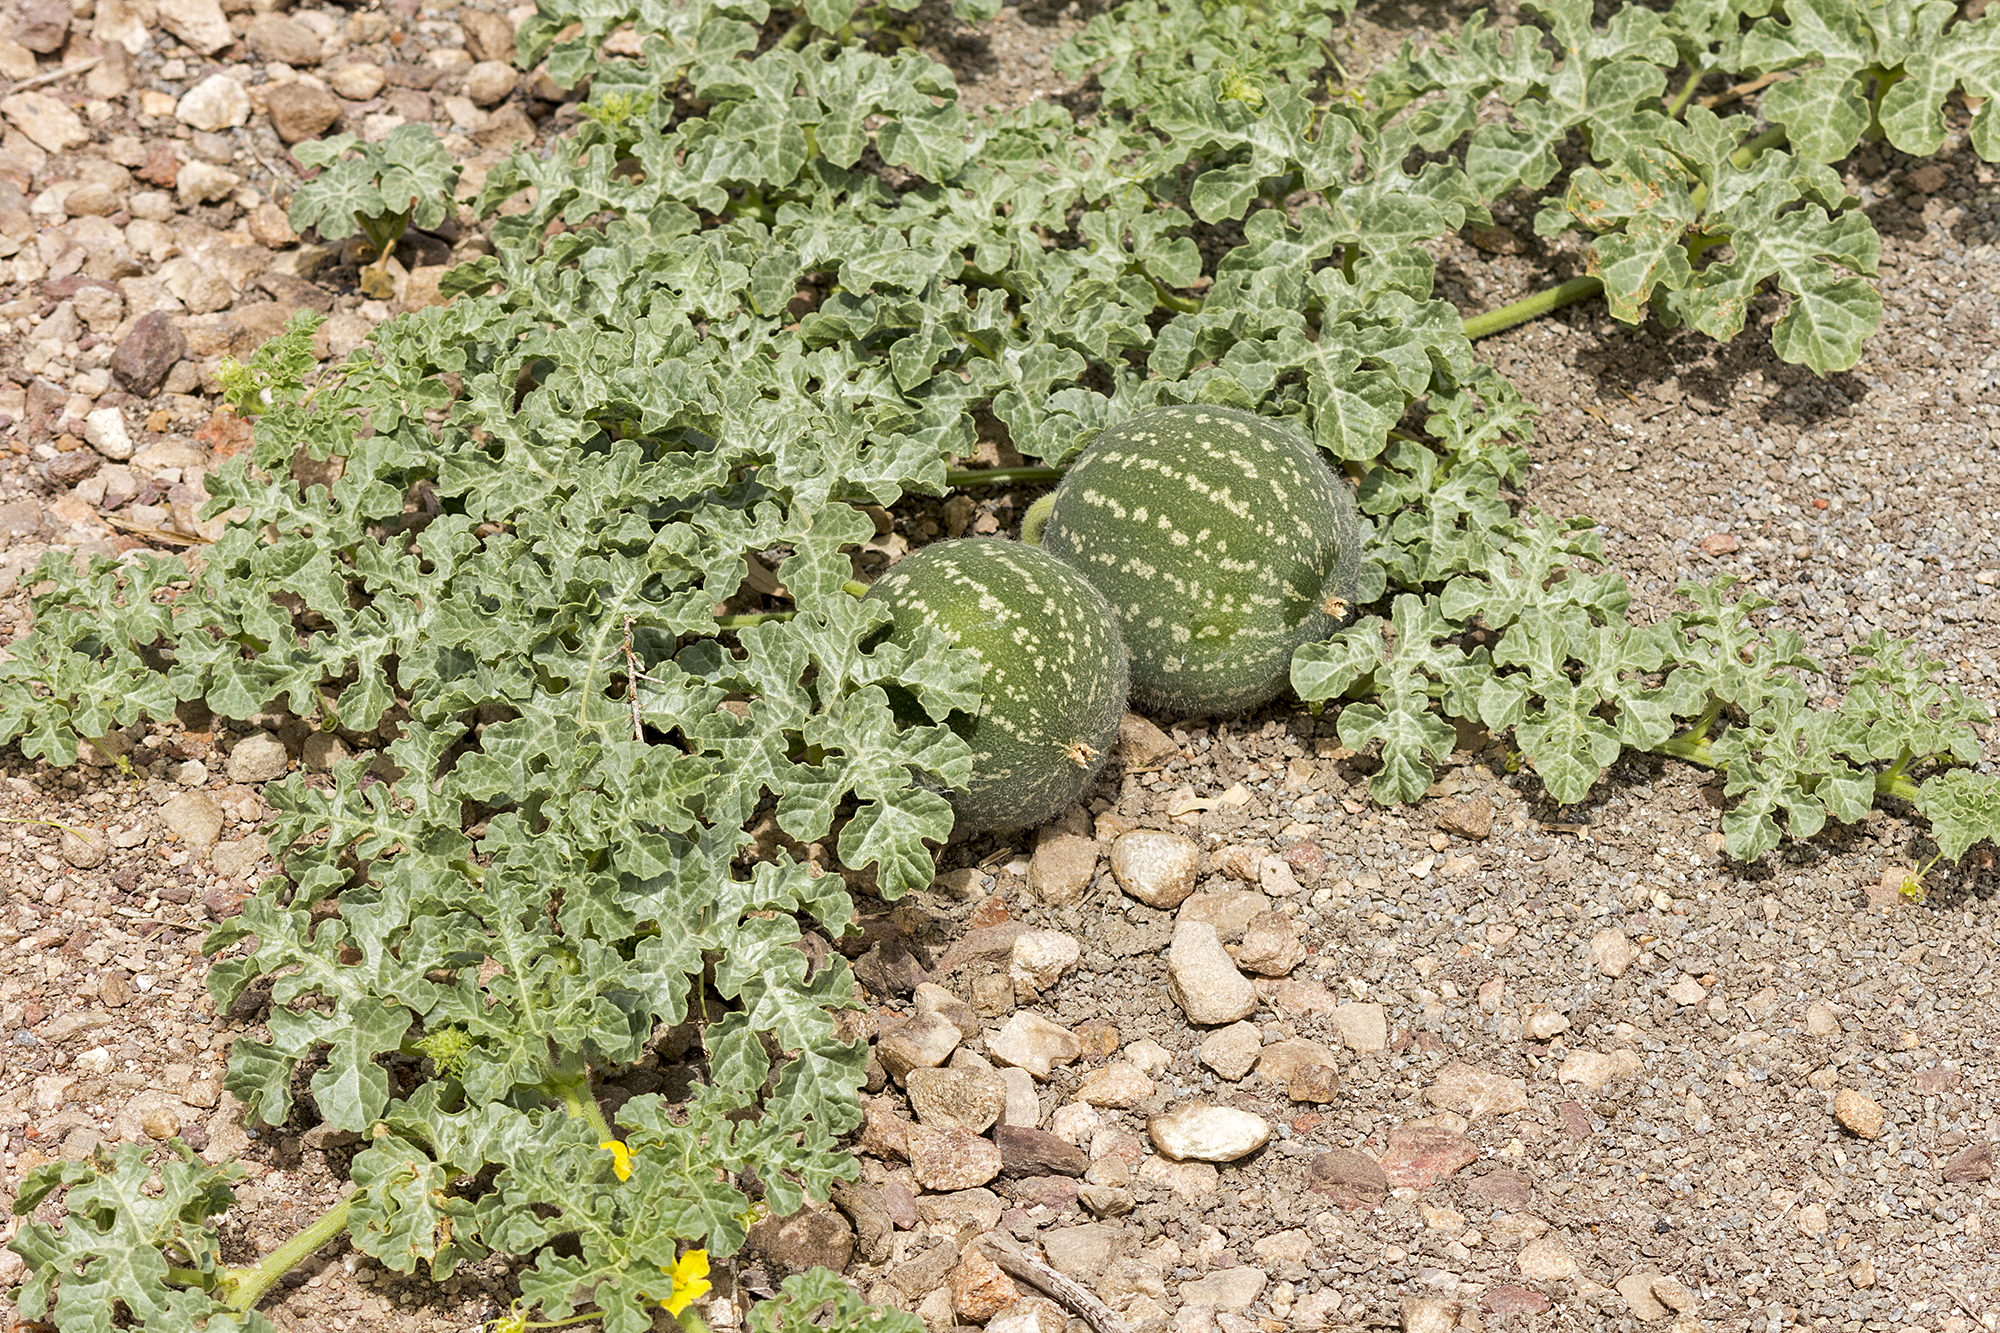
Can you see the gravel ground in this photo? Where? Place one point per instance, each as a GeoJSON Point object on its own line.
{"type": "Point", "coordinates": [1525, 1068]}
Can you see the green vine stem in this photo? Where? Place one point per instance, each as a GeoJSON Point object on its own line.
{"type": "Point", "coordinates": [572, 1085]}
{"type": "Point", "coordinates": [1686, 93]}
{"type": "Point", "coordinates": [1532, 307]}
{"type": "Point", "coordinates": [242, 1288]}
{"type": "Point", "coordinates": [1695, 750]}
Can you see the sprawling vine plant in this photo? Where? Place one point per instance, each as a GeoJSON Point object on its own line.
{"type": "Point", "coordinates": [776, 273]}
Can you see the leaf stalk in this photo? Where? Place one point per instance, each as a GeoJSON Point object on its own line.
{"type": "Point", "coordinates": [242, 1288]}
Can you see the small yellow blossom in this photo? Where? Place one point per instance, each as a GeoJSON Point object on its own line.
{"type": "Point", "coordinates": [690, 1277]}
{"type": "Point", "coordinates": [621, 1158]}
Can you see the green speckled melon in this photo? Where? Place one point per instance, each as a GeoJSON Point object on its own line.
{"type": "Point", "coordinates": [1223, 540]}
{"type": "Point", "coordinates": [1055, 680]}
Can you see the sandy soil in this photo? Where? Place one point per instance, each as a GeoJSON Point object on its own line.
{"type": "Point", "coordinates": [1563, 1136]}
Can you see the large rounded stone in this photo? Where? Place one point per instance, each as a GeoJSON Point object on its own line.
{"type": "Point", "coordinates": [1208, 1133]}
{"type": "Point", "coordinates": [1156, 868]}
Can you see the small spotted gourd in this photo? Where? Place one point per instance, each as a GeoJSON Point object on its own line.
{"type": "Point", "coordinates": [1222, 540]}
{"type": "Point", "coordinates": [1055, 679]}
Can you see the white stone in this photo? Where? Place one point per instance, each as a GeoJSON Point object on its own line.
{"type": "Point", "coordinates": [1545, 1260]}
{"type": "Point", "coordinates": [199, 23]}
{"type": "Point", "coordinates": [359, 81]}
{"type": "Point", "coordinates": [1611, 952]}
{"type": "Point", "coordinates": [105, 429]}
{"type": "Point", "coordinates": [258, 757]}
{"type": "Point", "coordinates": [1156, 868]}
{"type": "Point", "coordinates": [1024, 1107]}
{"type": "Point", "coordinates": [1543, 1023]}
{"type": "Point", "coordinates": [218, 102]}
{"type": "Point", "coordinates": [1202, 978]}
{"type": "Point", "coordinates": [1362, 1027]}
{"type": "Point", "coordinates": [126, 22]}
{"type": "Point", "coordinates": [1118, 1086]}
{"type": "Point", "coordinates": [1149, 1057]}
{"type": "Point", "coordinates": [1597, 1071]}
{"type": "Point", "coordinates": [1075, 1122]}
{"type": "Point", "coordinates": [1208, 1133]}
{"type": "Point", "coordinates": [45, 120]}
{"type": "Point", "coordinates": [1231, 1051]}
{"type": "Point", "coordinates": [1231, 1289]}
{"type": "Point", "coordinates": [1039, 958]}
{"type": "Point", "coordinates": [1033, 1043]}
{"type": "Point", "coordinates": [1427, 1314]}
{"type": "Point", "coordinates": [205, 183]}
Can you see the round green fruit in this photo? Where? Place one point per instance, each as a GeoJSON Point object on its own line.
{"type": "Point", "coordinates": [1055, 673]}
{"type": "Point", "coordinates": [1222, 541]}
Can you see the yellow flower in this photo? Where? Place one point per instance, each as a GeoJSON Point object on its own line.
{"type": "Point", "coordinates": [690, 1277]}
{"type": "Point", "coordinates": [621, 1158]}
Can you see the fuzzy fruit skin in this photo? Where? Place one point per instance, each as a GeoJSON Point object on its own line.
{"type": "Point", "coordinates": [1055, 681]}
{"type": "Point", "coordinates": [1222, 540]}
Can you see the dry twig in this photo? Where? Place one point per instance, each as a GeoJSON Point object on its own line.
{"type": "Point", "coordinates": [1017, 1261]}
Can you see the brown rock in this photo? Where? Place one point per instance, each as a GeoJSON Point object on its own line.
{"type": "Point", "coordinates": [889, 968]}
{"type": "Point", "coordinates": [1315, 1084]}
{"type": "Point", "coordinates": [982, 944]}
{"type": "Point", "coordinates": [1419, 1156]}
{"type": "Point", "coordinates": [19, 518]}
{"type": "Point", "coordinates": [1060, 871]}
{"type": "Point", "coordinates": [1298, 999]}
{"type": "Point", "coordinates": [299, 110]}
{"type": "Point", "coordinates": [42, 26]}
{"type": "Point", "coordinates": [1307, 861]}
{"type": "Point", "coordinates": [1934, 1081]}
{"type": "Point", "coordinates": [1239, 861]}
{"type": "Point", "coordinates": [1514, 1300]}
{"type": "Point", "coordinates": [509, 127]}
{"type": "Point", "coordinates": [162, 166]}
{"type": "Point", "coordinates": [901, 1201]}
{"type": "Point", "coordinates": [1033, 1152]}
{"type": "Point", "coordinates": [149, 351]}
{"type": "Point", "coordinates": [979, 1289]}
{"type": "Point", "coordinates": [1476, 1092]}
{"type": "Point", "coordinates": [1576, 1120]}
{"type": "Point", "coordinates": [487, 36]}
{"type": "Point", "coordinates": [923, 1042]}
{"type": "Point", "coordinates": [222, 901]}
{"type": "Point", "coordinates": [1970, 1165]}
{"type": "Point", "coordinates": [490, 82]}
{"type": "Point", "coordinates": [1272, 945]}
{"type": "Point", "coordinates": [285, 40]}
{"type": "Point", "coordinates": [1056, 1193]}
{"type": "Point", "coordinates": [1469, 819]}
{"type": "Point", "coordinates": [67, 469]}
{"type": "Point", "coordinates": [934, 999]}
{"type": "Point", "coordinates": [1143, 746]}
{"type": "Point", "coordinates": [868, 1212]}
{"type": "Point", "coordinates": [884, 1134]}
{"type": "Point", "coordinates": [1860, 1115]}
{"type": "Point", "coordinates": [295, 293]}
{"type": "Point", "coordinates": [1096, 1038]}
{"type": "Point", "coordinates": [1501, 1188]}
{"type": "Point", "coordinates": [919, 1276]}
{"type": "Point", "coordinates": [950, 1159]}
{"type": "Point", "coordinates": [84, 849]}
{"type": "Point", "coordinates": [92, 200]}
{"type": "Point", "coordinates": [1349, 1178]}
{"type": "Point", "coordinates": [1282, 1062]}
{"type": "Point", "coordinates": [816, 1234]}
{"type": "Point", "coordinates": [968, 1099]}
